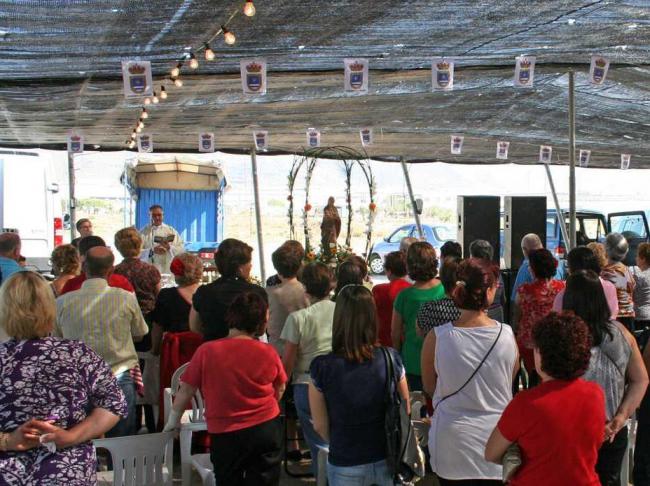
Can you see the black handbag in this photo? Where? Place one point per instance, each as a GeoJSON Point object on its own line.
{"type": "Point", "coordinates": [403, 453]}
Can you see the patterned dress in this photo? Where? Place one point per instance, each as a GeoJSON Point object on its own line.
{"type": "Point", "coordinates": [53, 377]}
{"type": "Point", "coordinates": [436, 313]}
{"type": "Point", "coordinates": [535, 302]}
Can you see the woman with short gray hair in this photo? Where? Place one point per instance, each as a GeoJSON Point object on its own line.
{"type": "Point", "coordinates": [618, 274]}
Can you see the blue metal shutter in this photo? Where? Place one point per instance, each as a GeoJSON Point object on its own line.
{"type": "Point", "coordinates": [194, 214]}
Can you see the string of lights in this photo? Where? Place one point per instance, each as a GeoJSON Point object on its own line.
{"type": "Point", "coordinates": [190, 59]}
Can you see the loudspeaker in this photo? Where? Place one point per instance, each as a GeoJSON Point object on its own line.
{"type": "Point", "coordinates": [478, 219]}
{"type": "Point", "coordinates": [522, 215]}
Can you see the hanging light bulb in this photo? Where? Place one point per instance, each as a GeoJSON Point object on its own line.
{"type": "Point", "coordinates": [175, 72]}
{"type": "Point", "coordinates": [249, 8]}
{"type": "Point", "coordinates": [209, 53]}
{"type": "Point", "coordinates": [155, 98]}
{"type": "Point", "coordinates": [132, 144]}
{"type": "Point", "coordinates": [228, 36]}
{"type": "Point", "coordinates": [147, 101]}
{"type": "Point", "coordinates": [133, 135]}
{"type": "Point", "coordinates": [163, 93]}
{"type": "Point", "coordinates": [140, 123]}
{"type": "Point", "coordinates": [145, 114]}
{"type": "Point", "coordinates": [138, 129]}
{"type": "Point", "coordinates": [178, 82]}
{"type": "Point", "coordinates": [194, 62]}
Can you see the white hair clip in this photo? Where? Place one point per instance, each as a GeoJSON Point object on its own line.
{"type": "Point", "coordinates": [461, 283]}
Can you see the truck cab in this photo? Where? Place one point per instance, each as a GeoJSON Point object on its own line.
{"type": "Point", "coordinates": [594, 226]}
{"type": "Point", "coordinates": [30, 205]}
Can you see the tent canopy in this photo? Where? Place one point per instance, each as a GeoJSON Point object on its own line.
{"type": "Point", "coordinates": [61, 70]}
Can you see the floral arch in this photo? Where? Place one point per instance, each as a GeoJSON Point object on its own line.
{"type": "Point", "coordinates": [349, 158]}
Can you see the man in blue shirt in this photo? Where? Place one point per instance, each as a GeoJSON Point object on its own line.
{"type": "Point", "coordinates": [529, 243]}
{"type": "Point", "coordinates": [9, 254]}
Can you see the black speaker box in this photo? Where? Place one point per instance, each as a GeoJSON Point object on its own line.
{"type": "Point", "coordinates": [521, 215]}
{"type": "Point", "coordinates": [478, 218]}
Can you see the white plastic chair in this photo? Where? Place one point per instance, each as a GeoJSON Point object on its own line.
{"type": "Point", "coordinates": [191, 421]}
{"type": "Point", "coordinates": [323, 455]}
{"type": "Point", "coordinates": [420, 426]}
{"type": "Point", "coordinates": [151, 380]}
{"type": "Point", "coordinates": [139, 460]}
{"type": "Point", "coordinates": [629, 451]}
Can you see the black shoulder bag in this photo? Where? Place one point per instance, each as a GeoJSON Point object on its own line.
{"type": "Point", "coordinates": [403, 454]}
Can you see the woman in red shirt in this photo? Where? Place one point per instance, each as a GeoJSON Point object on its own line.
{"type": "Point", "coordinates": [241, 380]}
{"type": "Point", "coordinates": [560, 424]}
{"type": "Point", "coordinates": [535, 301]}
{"type": "Point", "coordinates": [384, 294]}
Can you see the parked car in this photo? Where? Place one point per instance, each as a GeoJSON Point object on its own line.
{"type": "Point", "coordinates": [434, 234]}
{"type": "Point", "coordinates": [594, 226]}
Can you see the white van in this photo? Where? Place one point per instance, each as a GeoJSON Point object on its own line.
{"type": "Point", "coordinates": [30, 204]}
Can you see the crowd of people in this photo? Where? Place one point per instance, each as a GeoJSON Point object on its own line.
{"type": "Point", "coordinates": [555, 387]}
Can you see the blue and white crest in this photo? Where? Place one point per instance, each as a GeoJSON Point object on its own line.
{"type": "Point", "coordinates": [254, 81]}
{"type": "Point", "coordinates": [75, 143]}
{"type": "Point", "coordinates": [598, 69]}
{"type": "Point", "coordinates": [137, 78]}
{"type": "Point", "coordinates": [138, 83]}
{"type": "Point", "coordinates": [545, 154]}
{"type": "Point", "coordinates": [313, 138]}
{"type": "Point", "coordinates": [524, 71]}
{"type": "Point", "coordinates": [366, 136]}
{"type": "Point", "coordinates": [253, 75]}
{"type": "Point", "coordinates": [206, 142]}
{"type": "Point", "coordinates": [356, 79]}
{"type": "Point", "coordinates": [356, 75]}
{"type": "Point", "coordinates": [261, 139]}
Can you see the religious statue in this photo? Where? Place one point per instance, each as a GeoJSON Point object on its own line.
{"type": "Point", "coordinates": [330, 227]}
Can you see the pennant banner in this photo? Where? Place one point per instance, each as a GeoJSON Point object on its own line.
{"type": "Point", "coordinates": [356, 75]}
{"type": "Point", "coordinates": [145, 143]}
{"type": "Point", "coordinates": [253, 76]}
{"type": "Point", "coordinates": [75, 143]}
{"type": "Point", "coordinates": [261, 138]}
{"type": "Point", "coordinates": [584, 157]}
{"type": "Point", "coordinates": [206, 142]}
{"type": "Point", "coordinates": [598, 69]}
{"type": "Point", "coordinates": [442, 74]}
{"type": "Point", "coordinates": [137, 79]}
{"type": "Point", "coordinates": [625, 161]}
{"type": "Point", "coordinates": [524, 71]}
{"type": "Point", "coordinates": [366, 136]}
{"type": "Point", "coordinates": [545, 153]}
{"type": "Point", "coordinates": [313, 138]}
{"type": "Point", "coordinates": [457, 144]}
{"type": "Point", "coordinates": [502, 150]}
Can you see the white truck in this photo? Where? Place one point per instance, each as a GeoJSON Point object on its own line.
{"type": "Point", "coordinates": [30, 204]}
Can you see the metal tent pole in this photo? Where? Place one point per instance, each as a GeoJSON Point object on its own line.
{"type": "Point", "coordinates": [72, 204]}
{"type": "Point", "coordinates": [258, 215]}
{"type": "Point", "coordinates": [572, 160]}
{"type": "Point", "coordinates": [560, 216]}
{"type": "Point", "coordinates": [407, 178]}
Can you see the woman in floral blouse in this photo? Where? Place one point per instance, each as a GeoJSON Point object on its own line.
{"type": "Point", "coordinates": [57, 395]}
{"type": "Point", "coordinates": [534, 302]}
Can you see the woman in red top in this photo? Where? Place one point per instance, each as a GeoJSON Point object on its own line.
{"type": "Point", "coordinates": [535, 301]}
{"type": "Point", "coordinates": [560, 424]}
{"type": "Point", "coordinates": [384, 294]}
{"type": "Point", "coordinates": [241, 380]}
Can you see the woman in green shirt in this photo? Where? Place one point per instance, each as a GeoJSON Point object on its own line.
{"type": "Point", "coordinates": [422, 265]}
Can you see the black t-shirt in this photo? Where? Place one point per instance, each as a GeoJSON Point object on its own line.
{"type": "Point", "coordinates": [172, 311]}
{"type": "Point", "coordinates": [211, 302]}
{"type": "Point", "coordinates": [355, 394]}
